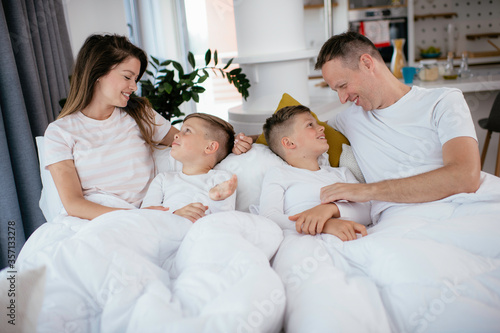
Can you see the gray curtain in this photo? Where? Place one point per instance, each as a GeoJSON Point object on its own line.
{"type": "Point", "coordinates": [35, 62]}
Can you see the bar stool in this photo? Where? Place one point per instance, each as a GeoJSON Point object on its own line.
{"type": "Point", "coordinates": [492, 124]}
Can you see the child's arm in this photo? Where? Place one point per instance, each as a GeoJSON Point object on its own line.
{"type": "Point", "coordinates": [344, 229]}
{"type": "Point", "coordinates": [354, 211]}
{"type": "Point", "coordinates": [311, 221]}
{"type": "Point", "coordinates": [272, 200]}
{"type": "Point", "coordinates": [192, 212]}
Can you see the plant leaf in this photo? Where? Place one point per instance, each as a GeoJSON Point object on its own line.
{"type": "Point", "coordinates": [166, 63]}
{"type": "Point", "coordinates": [186, 96]}
{"type": "Point", "coordinates": [228, 63]}
{"type": "Point", "coordinates": [203, 78]}
{"type": "Point", "coordinates": [216, 58]}
{"type": "Point", "coordinates": [191, 59]}
{"type": "Point", "coordinates": [168, 87]}
{"type": "Point", "coordinates": [198, 89]}
{"type": "Point", "coordinates": [235, 71]}
{"type": "Point", "coordinates": [208, 57]}
{"type": "Point", "coordinates": [196, 97]}
{"type": "Point", "coordinates": [156, 61]}
{"type": "Point", "coordinates": [178, 67]}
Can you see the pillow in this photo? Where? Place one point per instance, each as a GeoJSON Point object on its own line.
{"type": "Point", "coordinates": [334, 138]}
{"type": "Point", "coordinates": [348, 160]}
{"type": "Point", "coordinates": [249, 167]}
{"type": "Point", "coordinates": [50, 203]}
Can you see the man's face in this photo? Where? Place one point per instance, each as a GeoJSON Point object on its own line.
{"type": "Point", "coordinates": [353, 85]}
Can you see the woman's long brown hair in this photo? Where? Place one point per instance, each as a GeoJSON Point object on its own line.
{"type": "Point", "coordinates": [98, 55]}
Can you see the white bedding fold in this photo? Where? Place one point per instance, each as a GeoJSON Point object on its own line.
{"type": "Point", "coordinates": [147, 271]}
{"type": "Point", "coordinates": [423, 269]}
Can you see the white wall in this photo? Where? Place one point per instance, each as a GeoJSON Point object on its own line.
{"type": "Point", "coordinates": [93, 16]}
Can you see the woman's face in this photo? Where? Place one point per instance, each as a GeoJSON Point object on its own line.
{"type": "Point", "coordinates": [114, 88]}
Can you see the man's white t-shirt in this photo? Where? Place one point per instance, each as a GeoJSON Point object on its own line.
{"type": "Point", "coordinates": [110, 156]}
{"type": "Point", "coordinates": [287, 191]}
{"type": "Point", "coordinates": [406, 138]}
{"type": "Point", "coordinates": [176, 190]}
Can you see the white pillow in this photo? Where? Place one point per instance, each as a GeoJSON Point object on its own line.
{"type": "Point", "coordinates": [50, 203]}
{"type": "Point", "coordinates": [348, 160]}
{"type": "Point", "coordinates": [250, 169]}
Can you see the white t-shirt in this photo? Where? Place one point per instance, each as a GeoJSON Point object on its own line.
{"type": "Point", "coordinates": [406, 138]}
{"type": "Point", "coordinates": [287, 191]}
{"type": "Point", "coordinates": [110, 155]}
{"type": "Point", "coordinates": [176, 190]}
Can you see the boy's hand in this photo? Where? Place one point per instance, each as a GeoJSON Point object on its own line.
{"type": "Point", "coordinates": [312, 221]}
{"type": "Point", "coordinates": [224, 190]}
{"type": "Point", "coordinates": [157, 208]}
{"type": "Point", "coordinates": [344, 229]}
{"type": "Point", "coordinates": [192, 212]}
{"type": "Point", "coordinates": [242, 143]}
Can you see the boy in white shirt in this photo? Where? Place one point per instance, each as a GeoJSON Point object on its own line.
{"type": "Point", "coordinates": [292, 192]}
{"type": "Point", "coordinates": [204, 140]}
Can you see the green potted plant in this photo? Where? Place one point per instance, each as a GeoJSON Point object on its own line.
{"type": "Point", "coordinates": [169, 85]}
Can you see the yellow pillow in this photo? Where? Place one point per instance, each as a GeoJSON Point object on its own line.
{"type": "Point", "coordinates": [334, 138]}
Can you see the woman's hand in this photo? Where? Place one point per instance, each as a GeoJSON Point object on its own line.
{"type": "Point", "coordinates": [242, 143]}
{"type": "Point", "coordinates": [192, 212]}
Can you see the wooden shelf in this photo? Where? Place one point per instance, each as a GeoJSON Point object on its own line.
{"type": "Point", "coordinates": [485, 35]}
{"type": "Point", "coordinates": [443, 15]}
{"type": "Point", "coordinates": [334, 4]}
{"type": "Point", "coordinates": [378, 7]}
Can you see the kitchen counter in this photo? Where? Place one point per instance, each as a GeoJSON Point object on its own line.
{"type": "Point", "coordinates": [484, 78]}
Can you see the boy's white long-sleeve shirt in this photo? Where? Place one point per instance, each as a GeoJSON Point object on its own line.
{"type": "Point", "coordinates": [176, 190]}
{"type": "Point", "coordinates": [287, 191]}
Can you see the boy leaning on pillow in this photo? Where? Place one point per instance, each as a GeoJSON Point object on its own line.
{"type": "Point", "coordinates": [291, 193]}
{"type": "Point", "coordinates": [203, 141]}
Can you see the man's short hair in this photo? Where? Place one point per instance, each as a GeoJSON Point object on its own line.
{"type": "Point", "coordinates": [218, 130]}
{"type": "Point", "coordinates": [279, 125]}
{"type": "Point", "coordinates": [349, 47]}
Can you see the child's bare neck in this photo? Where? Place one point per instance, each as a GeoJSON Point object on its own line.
{"type": "Point", "coordinates": [304, 163]}
{"type": "Point", "coordinates": [195, 169]}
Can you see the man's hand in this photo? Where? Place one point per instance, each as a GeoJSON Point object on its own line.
{"type": "Point", "coordinates": [192, 212]}
{"type": "Point", "coordinates": [346, 191]}
{"type": "Point", "coordinates": [157, 208]}
{"type": "Point", "coordinates": [311, 221]}
{"type": "Point", "coordinates": [242, 143]}
{"type": "Point", "coordinates": [344, 229]}
{"type": "Point", "coordinates": [224, 190]}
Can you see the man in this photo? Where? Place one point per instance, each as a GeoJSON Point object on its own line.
{"type": "Point", "coordinates": [412, 144]}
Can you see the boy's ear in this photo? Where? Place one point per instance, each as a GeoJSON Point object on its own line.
{"type": "Point", "coordinates": [287, 143]}
{"type": "Point", "coordinates": [212, 147]}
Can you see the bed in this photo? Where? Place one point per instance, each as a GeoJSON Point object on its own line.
{"type": "Point", "coordinates": [131, 271]}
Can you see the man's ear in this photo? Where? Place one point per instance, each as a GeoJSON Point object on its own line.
{"type": "Point", "coordinates": [366, 62]}
{"type": "Point", "coordinates": [287, 143]}
{"type": "Point", "coordinates": [212, 147]}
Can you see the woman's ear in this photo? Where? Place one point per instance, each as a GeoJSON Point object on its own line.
{"type": "Point", "coordinates": [212, 147]}
{"type": "Point", "coordinates": [287, 143]}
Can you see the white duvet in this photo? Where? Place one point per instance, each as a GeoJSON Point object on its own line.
{"type": "Point", "coordinates": [438, 271]}
{"type": "Point", "coordinates": [151, 271]}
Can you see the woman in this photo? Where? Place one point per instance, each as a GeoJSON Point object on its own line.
{"type": "Point", "coordinates": [101, 142]}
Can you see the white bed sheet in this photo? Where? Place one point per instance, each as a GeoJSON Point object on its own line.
{"type": "Point", "coordinates": [410, 274]}
{"type": "Point", "coordinates": [151, 271]}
